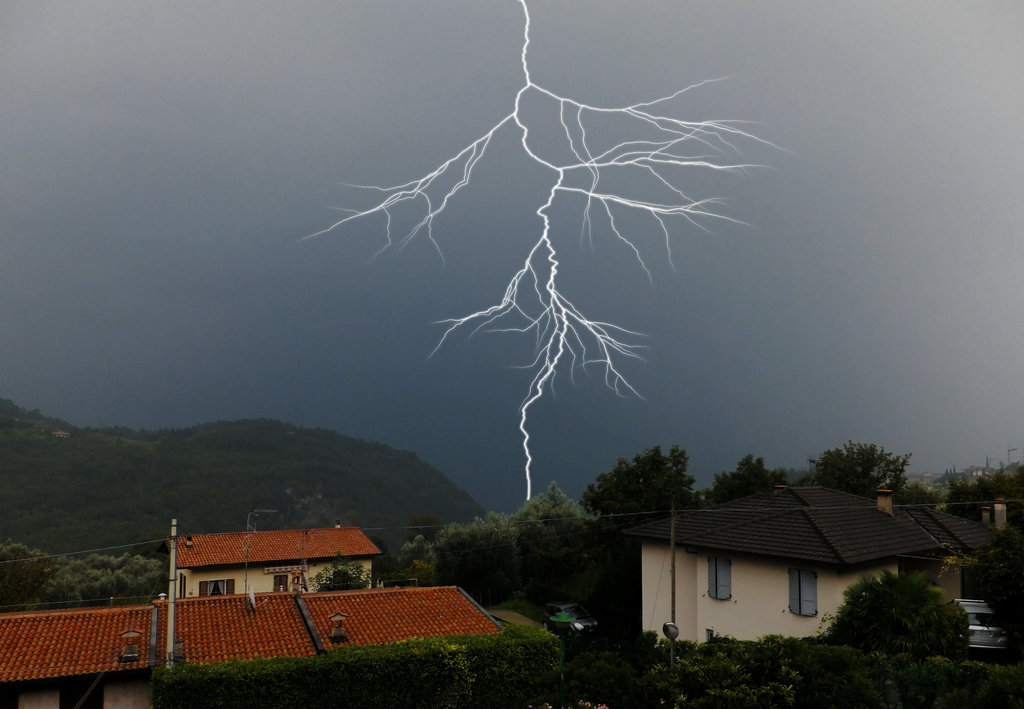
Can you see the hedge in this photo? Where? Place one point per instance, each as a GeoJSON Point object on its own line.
{"type": "Point", "coordinates": [500, 671]}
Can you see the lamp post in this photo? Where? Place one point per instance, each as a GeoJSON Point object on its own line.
{"type": "Point", "coordinates": [671, 632]}
{"type": "Point", "coordinates": [562, 621]}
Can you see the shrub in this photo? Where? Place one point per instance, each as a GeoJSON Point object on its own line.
{"type": "Point", "coordinates": [500, 671]}
{"type": "Point", "coordinates": [899, 614]}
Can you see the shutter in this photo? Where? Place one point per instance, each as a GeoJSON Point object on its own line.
{"type": "Point", "coordinates": [712, 577]}
{"type": "Point", "coordinates": [725, 578]}
{"type": "Point", "coordinates": [204, 588]}
{"type": "Point", "coordinates": [808, 593]}
{"type": "Point", "coordinates": [230, 587]}
{"type": "Point", "coordinates": [794, 591]}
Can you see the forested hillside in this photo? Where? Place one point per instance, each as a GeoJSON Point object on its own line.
{"type": "Point", "coordinates": [100, 487]}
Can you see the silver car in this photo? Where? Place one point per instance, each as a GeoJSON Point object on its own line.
{"type": "Point", "coordinates": [981, 620]}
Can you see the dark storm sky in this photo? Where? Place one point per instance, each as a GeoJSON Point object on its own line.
{"type": "Point", "coordinates": [161, 162]}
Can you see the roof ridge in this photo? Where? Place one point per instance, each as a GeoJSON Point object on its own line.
{"type": "Point", "coordinates": [821, 534]}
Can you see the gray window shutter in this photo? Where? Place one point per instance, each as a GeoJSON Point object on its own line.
{"type": "Point", "coordinates": [712, 577]}
{"type": "Point", "coordinates": [725, 578]}
{"type": "Point", "coordinates": [794, 591]}
{"type": "Point", "coordinates": [808, 593]}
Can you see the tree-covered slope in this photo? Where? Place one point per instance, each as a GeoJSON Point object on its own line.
{"type": "Point", "coordinates": [102, 487]}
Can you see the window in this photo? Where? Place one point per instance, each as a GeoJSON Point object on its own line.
{"type": "Point", "coordinates": [719, 577]}
{"type": "Point", "coordinates": [217, 587]}
{"type": "Point", "coordinates": [803, 592]}
{"type": "Point", "coordinates": [280, 582]}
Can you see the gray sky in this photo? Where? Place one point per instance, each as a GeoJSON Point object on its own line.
{"type": "Point", "coordinates": [162, 161]}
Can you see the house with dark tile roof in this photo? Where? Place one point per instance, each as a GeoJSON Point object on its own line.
{"type": "Point", "coordinates": [273, 560]}
{"type": "Point", "coordinates": [103, 657]}
{"type": "Point", "coordinates": [778, 562]}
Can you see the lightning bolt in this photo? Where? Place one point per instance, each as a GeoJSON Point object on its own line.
{"type": "Point", "coordinates": [658, 149]}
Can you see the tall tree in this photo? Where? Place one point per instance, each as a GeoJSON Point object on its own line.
{"type": "Point", "coordinates": [966, 497]}
{"type": "Point", "coordinates": [750, 476]}
{"type": "Point", "coordinates": [998, 568]}
{"type": "Point", "coordinates": [480, 556]}
{"type": "Point", "coordinates": [861, 469]}
{"type": "Point", "coordinates": [630, 493]}
{"type": "Point", "coordinates": [25, 575]}
{"type": "Point", "coordinates": [554, 546]}
{"type": "Point", "coordinates": [644, 487]}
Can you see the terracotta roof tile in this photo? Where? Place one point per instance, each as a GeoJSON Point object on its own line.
{"type": "Point", "coordinates": [383, 616]}
{"type": "Point", "coordinates": [217, 628]}
{"type": "Point", "coordinates": [268, 546]}
{"type": "Point", "coordinates": [70, 642]}
{"type": "Point", "coordinates": [84, 641]}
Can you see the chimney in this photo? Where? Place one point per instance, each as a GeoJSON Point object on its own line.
{"type": "Point", "coordinates": [130, 646]}
{"type": "Point", "coordinates": [188, 541]}
{"type": "Point", "coordinates": [885, 502]}
{"type": "Point", "coordinates": [338, 634]}
{"type": "Point", "coordinates": [779, 488]}
{"type": "Point", "coordinates": [986, 518]}
{"type": "Point", "coordinates": [337, 524]}
{"type": "Point", "coordinates": [1000, 513]}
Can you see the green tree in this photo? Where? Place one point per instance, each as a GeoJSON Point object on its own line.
{"type": "Point", "coordinates": [98, 578]}
{"type": "Point", "coordinates": [553, 544]}
{"type": "Point", "coordinates": [342, 575]}
{"type": "Point", "coordinates": [915, 493]}
{"type": "Point", "coordinates": [630, 493]}
{"type": "Point", "coordinates": [861, 469]}
{"type": "Point", "coordinates": [899, 613]}
{"type": "Point", "coordinates": [966, 497]}
{"type": "Point", "coordinates": [643, 487]}
{"type": "Point", "coordinates": [481, 556]}
{"type": "Point", "coordinates": [24, 575]}
{"type": "Point", "coordinates": [750, 476]}
{"type": "Point", "coordinates": [998, 568]}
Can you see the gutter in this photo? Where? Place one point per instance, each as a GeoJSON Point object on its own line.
{"type": "Point", "coordinates": [307, 619]}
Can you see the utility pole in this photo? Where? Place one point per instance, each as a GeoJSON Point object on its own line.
{"type": "Point", "coordinates": [172, 593]}
{"type": "Point", "coordinates": [672, 574]}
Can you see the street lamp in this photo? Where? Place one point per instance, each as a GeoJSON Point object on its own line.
{"type": "Point", "coordinates": [562, 622]}
{"type": "Point", "coordinates": [671, 632]}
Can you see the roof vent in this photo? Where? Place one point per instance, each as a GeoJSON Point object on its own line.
{"type": "Point", "coordinates": [188, 541]}
{"type": "Point", "coordinates": [338, 634]}
{"type": "Point", "coordinates": [130, 646]}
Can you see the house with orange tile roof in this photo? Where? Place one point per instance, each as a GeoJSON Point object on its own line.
{"type": "Point", "coordinates": [103, 657]}
{"type": "Point", "coordinates": [273, 560]}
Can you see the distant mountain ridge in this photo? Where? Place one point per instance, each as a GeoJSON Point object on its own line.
{"type": "Point", "coordinates": [102, 487]}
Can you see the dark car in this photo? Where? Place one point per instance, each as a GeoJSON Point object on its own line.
{"type": "Point", "coordinates": [583, 622]}
{"type": "Point", "coordinates": [985, 632]}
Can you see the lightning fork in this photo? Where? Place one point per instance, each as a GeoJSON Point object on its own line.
{"type": "Point", "coordinates": [660, 150]}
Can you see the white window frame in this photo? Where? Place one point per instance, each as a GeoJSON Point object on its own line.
{"type": "Point", "coordinates": [803, 592]}
{"type": "Point", "coordinates": [719, 578]}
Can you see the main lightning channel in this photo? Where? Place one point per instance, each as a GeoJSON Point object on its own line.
{"type": "Point", "coordinates": [661, 151]}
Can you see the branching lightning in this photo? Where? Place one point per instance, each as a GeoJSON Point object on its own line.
{"type": "Point", "coordinates": [658, 150]}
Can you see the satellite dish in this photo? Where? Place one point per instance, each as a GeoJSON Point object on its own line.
{"type": "Point", "coordinates": [670, 630]}
{"type": "Point", "coordinates": [252, 598]}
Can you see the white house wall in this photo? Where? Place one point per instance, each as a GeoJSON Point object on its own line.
{"type": "Point", "coordinates": [758, 606]}
{"type": "Point", "coordinates": [260, 577]}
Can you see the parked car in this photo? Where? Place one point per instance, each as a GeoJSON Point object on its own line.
{"type": "Point", "coordinates": [985, 632]}
{"type": "Point", "coordinates": [583, 622]}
